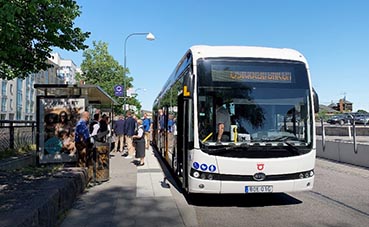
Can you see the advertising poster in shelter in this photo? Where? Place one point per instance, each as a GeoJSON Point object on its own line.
{"type": "Point", "coordinates": [58, 119]}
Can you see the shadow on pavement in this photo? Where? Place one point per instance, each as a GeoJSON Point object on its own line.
{"type": "Point", "coordinates": [236, 200]}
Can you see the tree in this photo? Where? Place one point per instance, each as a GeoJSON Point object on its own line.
{"type": "Point", "coordinates": [100, 68]}
{"type": "Point", "coordinates": [28, 31]}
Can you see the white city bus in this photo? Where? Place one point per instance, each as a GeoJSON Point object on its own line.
{"type": "Point", "coordinates": [270, 146]}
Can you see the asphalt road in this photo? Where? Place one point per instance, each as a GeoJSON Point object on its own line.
{"type": "Point", "coordinates": [340, 198]}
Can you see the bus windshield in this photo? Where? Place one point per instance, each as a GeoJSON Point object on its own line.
{"type": "Point", "coordinates": [268, 102]}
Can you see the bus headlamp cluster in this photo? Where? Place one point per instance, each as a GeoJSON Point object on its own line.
{"type": "Point", "coordinates": [306, 174]}
{"type": "Point", "coordinates": [203, 175]}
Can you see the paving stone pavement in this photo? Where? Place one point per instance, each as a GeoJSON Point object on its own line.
{"type": "Point", "coordinates": [133, 196]}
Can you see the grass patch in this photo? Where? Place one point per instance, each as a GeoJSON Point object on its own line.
{"type": "Point", "coordinates": [8, 153]}
{"type": "Point", "coordinates": [38, 171]}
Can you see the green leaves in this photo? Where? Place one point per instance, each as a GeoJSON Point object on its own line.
{"type": "Point", "coordinates": [28, 31]}
{"type": "Point", "coordinates": [100, 68]}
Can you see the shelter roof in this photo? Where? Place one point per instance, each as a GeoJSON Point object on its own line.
{"type": "Point", "coordinates": [94, 93]}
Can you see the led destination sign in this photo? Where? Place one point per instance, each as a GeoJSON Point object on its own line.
{"type": "Point", "coordinates": [267, 77]}
{"type": "Point", "coordinates": [251, 76]}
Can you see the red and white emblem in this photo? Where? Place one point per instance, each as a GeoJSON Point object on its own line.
{"type": "Point", "coordinates": [260, 166]}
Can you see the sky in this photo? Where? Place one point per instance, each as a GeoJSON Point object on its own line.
{"type": "Point", "coordinates": [332, 35]}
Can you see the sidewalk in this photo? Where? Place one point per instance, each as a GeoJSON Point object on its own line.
{"type": "Point", "coordinates": [134, 196]}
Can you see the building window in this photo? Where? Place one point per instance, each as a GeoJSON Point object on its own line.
{"type": "Point", "coordinates": [3, 104]}
{"type": "Point", "coordinates": [11, 116]}
{"type": "Point", "coordinates": [3, 87]}
{"type": "Point", "coordinates": [27, 106]}
{"type": "Point", "coordinates": [47, 79]}
{"type": "Point", "coordinates": [31, 107]}
{"type": "Point", "coordinates": [19, 113]}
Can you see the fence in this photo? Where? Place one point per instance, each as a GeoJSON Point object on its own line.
{"type": "Point", "coordinates": [17, 134]}
{"type": "Point", "coordinates": [347, 144]}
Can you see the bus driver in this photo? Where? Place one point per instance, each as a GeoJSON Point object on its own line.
{"type": "Point", "coordinates": [223, 121]}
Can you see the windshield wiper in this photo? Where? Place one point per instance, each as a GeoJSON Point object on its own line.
{"type": "Point", "coordinates": [292, 148]}
{"type": "Point", "coordinates": [283, 140]}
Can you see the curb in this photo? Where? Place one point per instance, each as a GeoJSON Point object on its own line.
{"type": "Point", "coordinates": [46, 206]}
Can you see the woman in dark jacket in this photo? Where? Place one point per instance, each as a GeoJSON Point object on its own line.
{"type": "Point", "coordinates": [139, 141]}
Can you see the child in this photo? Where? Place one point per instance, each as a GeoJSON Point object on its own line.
{"type": "Point", "coordinates": [68, 144]}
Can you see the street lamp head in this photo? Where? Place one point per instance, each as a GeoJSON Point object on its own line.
{"type": "Point", "coordinates": [150, 36]}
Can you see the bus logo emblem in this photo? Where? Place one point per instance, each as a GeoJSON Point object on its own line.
{"type": "Point", "coordinates": [260, 166]}
{"type": "Point", "coordinates": [259, 176]}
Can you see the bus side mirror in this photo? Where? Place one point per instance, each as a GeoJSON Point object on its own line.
{"type": "Point", "coordinates": [316, 101]}
{"type": "Point", "coordinates": [188, 86]}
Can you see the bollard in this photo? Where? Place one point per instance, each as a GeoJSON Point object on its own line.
{"type": "Point", "coordinates": [354, 135]}
{"type": "Point", "coordinates": [323, 133]}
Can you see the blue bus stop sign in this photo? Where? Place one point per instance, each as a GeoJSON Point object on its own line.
{"type": "Point", "coordinates": [118, 90]}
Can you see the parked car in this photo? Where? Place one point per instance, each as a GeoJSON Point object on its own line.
{"type": "Point", "coordinates": [362, 119]}
{"type": "Point", "coordinates": [340, 119]}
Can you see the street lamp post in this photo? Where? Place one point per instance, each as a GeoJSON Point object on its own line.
{"type": "Point", "coordinates": [150, 37]}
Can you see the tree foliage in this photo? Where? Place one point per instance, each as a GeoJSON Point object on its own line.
{"type": "Point", "coordinates": [30, 28]}
{"type": "Point", "coordinates": [100, 68]}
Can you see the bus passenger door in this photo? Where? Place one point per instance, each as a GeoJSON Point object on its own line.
{"type": "Point", "coordinates": [180, 168]}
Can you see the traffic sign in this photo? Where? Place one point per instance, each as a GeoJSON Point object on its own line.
{"type": "Point", "coordinates": [118, 90]}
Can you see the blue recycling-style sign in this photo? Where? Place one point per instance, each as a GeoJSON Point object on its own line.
{"type": "Point", "coordinates": [204, 167]}
{"type": "Point", "coordinates": [118, 90]}
{"type": "Point", "coordinates": [212, 168]}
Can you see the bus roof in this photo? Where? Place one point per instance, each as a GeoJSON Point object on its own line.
{"type": "Point", "coordinates": [203, 51]}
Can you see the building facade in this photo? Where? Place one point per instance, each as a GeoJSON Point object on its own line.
{"type": "Point", "coordinates": [342, 106]}
{"type": "Point", "coordinates": [18, 96]}
{"type": "Point", "coordinates": [67, 69]}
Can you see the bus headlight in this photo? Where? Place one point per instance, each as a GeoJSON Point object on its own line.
{"type": "Point", "coordinates": [306, 174]}
{"type": "Point", "coordinates": [311, 173]}
{"type": "Point", "coordinates": [203, 175]}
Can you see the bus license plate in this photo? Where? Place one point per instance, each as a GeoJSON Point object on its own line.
{"type": "Point", "coordinates": [259, 189]}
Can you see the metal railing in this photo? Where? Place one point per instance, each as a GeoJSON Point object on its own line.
{"type": "Point", "coordinates": [351, 131]}
{"type": "Point", "coordinates": [16, 134]}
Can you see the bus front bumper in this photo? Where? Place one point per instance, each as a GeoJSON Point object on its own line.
{"type": "Point", "coordinates": [197, 185]}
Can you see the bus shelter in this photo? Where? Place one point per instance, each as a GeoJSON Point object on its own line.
{"type": "Point", "coordinates": [59, 107]}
